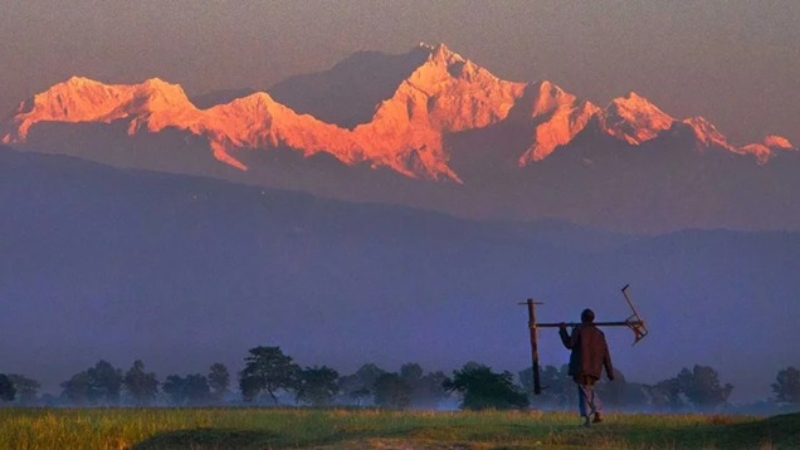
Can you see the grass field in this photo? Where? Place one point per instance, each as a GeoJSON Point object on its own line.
{"type": "Point", "coordinates": [241, 428]}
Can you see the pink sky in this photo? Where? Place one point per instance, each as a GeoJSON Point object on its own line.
{"type": "Point", "coordinates": [735, 63]}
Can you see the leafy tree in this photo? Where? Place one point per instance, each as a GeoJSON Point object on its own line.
{"type": "Point", "coordinates": [558, 389]}
{"type": "Point", "coordinates": [411, 373]}
{"type": "Point", "coordinates": [26, 388]}
{"type": "Point", "coordinates": [317, 385]}
{"type": "Point", "coordinates": [787, 386]}
{"type": "Point", "coordinates": [267, 369]}
{"type": "Point", "coordinates": [360, 385]}
{"type": "Point", "coordinates": [106, 382]}
{"type": "Point", "coordinates": [7, 390]}
{"type": "Point", "coordinates": [615, 393]}
{"type": "Point", "coordinates": [197, 389]}
{"type": "Point", "coordinates": [483, 389]}
{"type": "Point", "coordinates": [175, 387]}
{"type": "Point", "coordinates": [667, 394]}
{"type": "Point", "coordinates": [702, 386]}
{"type": "Point", "coordinates": [426, 389]}
{"type": "Point", "coordinates": [192, 390]}
{"type": "Point", "coordinates": [392, 391]}
{"type": "Point", "coordinates": [219, 380]}
{"type": "Point", "coordinates": [430, 391]}
{"type": "Point", "coordinates": [99, 384]}
{"type": "Point", "coordinates": [141, 386]}
{"type": "Point", "coordinates": [78, 389]}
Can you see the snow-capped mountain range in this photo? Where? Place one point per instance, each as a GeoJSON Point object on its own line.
{"type": "Point", "coordinates": [430, 129]}
{"type": "Point", "coordinates": [445, 94]}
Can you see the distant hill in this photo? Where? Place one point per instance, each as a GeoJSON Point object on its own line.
{"type": "Point", "coordinates": [184, 271]}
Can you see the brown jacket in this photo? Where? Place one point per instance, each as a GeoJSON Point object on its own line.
{"type": "Point", "coordinates": [589, 352]}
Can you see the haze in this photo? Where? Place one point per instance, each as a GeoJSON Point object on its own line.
{"type": "Point", "coordinates": [735, 63]}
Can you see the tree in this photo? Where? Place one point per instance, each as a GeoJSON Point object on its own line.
{"type": "Point", "coordinates": [78, 389]}
{"type": "Point", "coordinates": [7, 390]}
{"type": "Point", "coordinates": [197, 389]}
{"type": "Point", "coordinates": [175, 387]}
{"type": "Point", "coordinates": [702, 387]}
{"type": "Point", "coordinates": [391, 391]}
{"type": "Point", "coordinates": [430, 391]}
{"type": "Point", "coordinates": [483, 389]}
{"type": "Point", "coordinates": [317, 385]}
{"type": "Point", "coordinates": [268, 370]}
{"type": "Point", "coordinates": [106, 382]}
{"type": "Point", "coordinates": [360, 385]}
{"type": "Point", "coordinates": [26, 388]}
{"type": "Point", "coordinates": [558, 389]}
{"type": "Point", "coordinates": [787, 386]}
{"type": "Point", "coordinates": [192, 390]}
{"type": "Point", "coordinates": [667, 393]}
{"type": "Point", "coordinates": [411, 373]}
{"type": "Point", "coordinates": [141, 386]}
{"type": "Point", "coordinates": [101, 384]}
{"type": "Point", "coordinates": [219, 380]}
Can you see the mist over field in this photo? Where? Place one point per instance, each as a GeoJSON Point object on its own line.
{"type": "Point", "coordinates": [184, 271]}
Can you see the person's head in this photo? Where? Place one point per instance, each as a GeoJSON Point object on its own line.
{"type": "Point", "coordinates": [587, 316]}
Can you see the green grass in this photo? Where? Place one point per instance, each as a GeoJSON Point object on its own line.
{"type": "Point", "coordinates": [241, 428]}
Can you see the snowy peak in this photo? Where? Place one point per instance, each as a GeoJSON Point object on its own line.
{"type": "Point", "coordinates": [547, 97]}
{"type": "Point", "coordinates": [775, 142]}
{"type": "Point", "coordinates": [557, 118]}
{"type": "Point", "coordinates": [706, 133]}
{"type": "Point", "coordinates": [81, 99]}
{"type": "Point", "coordinates": [634, 119]}
{"type": "Point", "coordinates": [767, 149]}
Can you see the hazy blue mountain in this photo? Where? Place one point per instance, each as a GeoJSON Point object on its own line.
{"type": "Point", "coordinates": [182, 271]}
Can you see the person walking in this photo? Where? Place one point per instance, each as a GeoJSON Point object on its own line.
{"type": "Point", "coordinates": [589, 356]}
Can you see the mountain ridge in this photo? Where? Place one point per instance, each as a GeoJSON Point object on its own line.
{"type": "Point", "coordinates": [444, 94]}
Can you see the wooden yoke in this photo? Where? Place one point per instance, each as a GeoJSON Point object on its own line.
{"type": "Point", "coordinates": [634, 322]}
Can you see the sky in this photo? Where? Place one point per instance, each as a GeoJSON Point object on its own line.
{"type": "Point", "coordinates": [737, 63]}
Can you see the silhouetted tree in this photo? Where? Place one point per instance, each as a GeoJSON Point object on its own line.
{"type": "Point", "coordinates": [198, 391]}
{"type": "Point", "coordinates": [411, 373]}
{"type": "Point", "coordinates": [7, 390]}
{"type": "Point", "coordinates": [702, 387]}
{"type": "Point", "coordinates": [268, 370]}
{"type": "Point", "coordinates": [27, 388]}
{"type": "Point", "coordinates": [619, 392]}
{"type": "Point", "coordinates": [191, 390]}
{"type": "Point", "coordinates": [106, 382]}
{"type": "Point", "coordinates": [391, 391]}
{"type": "Point", "coordinates": [666, 394]}
{"type": "Point", "coordinates": [141, 386]}
{"type": "Point", "coordinates": [483, 389]}
{"type": "Point", "coordinates": [558, 389]}
{"type": "Point", "coordinates": [78, 389]}
{"type": "Point", "coordinates": [219, 379]}
{"type": "Point", "coordinates": [787, 386]}
{"type": "Point", "coordinates": [175, 387]}
{"type": "Point", "coordinates": [99, 384]}
{"type": "Point", "coordinates": [360, 385]}
{"type": "Point", "coordinates": [430, 390]}
{"type": "Point", "coordinates": [317, 385]}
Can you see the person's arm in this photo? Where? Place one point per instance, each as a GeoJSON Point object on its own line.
{"type": "Point", "coordinates": [568, 341]}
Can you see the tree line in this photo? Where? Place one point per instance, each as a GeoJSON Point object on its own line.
{"type": "Point", "coordinates": [271, 377]}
